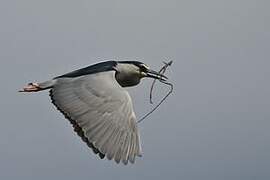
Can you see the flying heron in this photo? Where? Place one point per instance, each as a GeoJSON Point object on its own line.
{"type": "Point", "coordinates": [96, 103]}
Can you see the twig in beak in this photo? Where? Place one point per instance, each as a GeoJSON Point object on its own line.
{"type": "Point", "coordinates": [162, 71]}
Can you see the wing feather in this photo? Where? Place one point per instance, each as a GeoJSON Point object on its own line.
{"type": "Point", "coordinates": [101, 113]}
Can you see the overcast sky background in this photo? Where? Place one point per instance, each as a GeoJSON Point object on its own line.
{"type": "Point", "coordinates": [214, 127]}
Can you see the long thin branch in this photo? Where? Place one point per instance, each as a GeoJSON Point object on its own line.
{"type": "Point", "coordinates": [171, 90]}
{"type": "Point", "coordinates": [161, 71]}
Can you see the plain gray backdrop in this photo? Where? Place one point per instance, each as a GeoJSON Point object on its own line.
{"type": "Point", "coordinates": [215, 126]}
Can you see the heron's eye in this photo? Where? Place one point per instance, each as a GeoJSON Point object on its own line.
{"type": "Point", "coordinates": [144, 68]}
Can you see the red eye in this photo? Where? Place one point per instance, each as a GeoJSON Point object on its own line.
{"type": "Point", "coordinates": [144, 68]}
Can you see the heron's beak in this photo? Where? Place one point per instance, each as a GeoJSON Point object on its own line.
{"type": "Point", "coordinates": [156, 75]}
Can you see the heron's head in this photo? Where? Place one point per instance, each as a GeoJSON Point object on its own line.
{"type": "Point", "coordinates": [129, 73]}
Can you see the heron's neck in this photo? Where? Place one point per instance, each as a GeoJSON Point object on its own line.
{"type": "Point", "coordinates": [127, 75]}
{"type": "Point", "coordinates": [127, 80]}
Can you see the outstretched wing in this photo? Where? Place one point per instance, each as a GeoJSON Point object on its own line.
{"type": "Point", "coordinates": [102, 114]}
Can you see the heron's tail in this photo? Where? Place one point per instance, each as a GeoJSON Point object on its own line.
{"type": "Point", "coordinates": [35, 87]}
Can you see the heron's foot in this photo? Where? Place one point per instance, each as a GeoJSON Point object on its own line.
{"type": "Point", "coordinates": [31, 87]}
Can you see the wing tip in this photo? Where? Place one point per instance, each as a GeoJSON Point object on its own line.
{"type": "Point", "coordinates": [77, 128]}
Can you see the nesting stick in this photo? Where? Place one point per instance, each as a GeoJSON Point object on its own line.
{"type": "Point", "coordinates": [162, 70]}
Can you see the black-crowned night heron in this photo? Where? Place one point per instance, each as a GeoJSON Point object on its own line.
{"type": "Point", "coordinates": [94, 100]}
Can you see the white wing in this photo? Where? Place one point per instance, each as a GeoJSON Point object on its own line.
{"type": "Point", "coordinates": [102, 114]}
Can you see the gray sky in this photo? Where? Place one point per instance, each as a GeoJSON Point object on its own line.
{"type": "Point", "coordinates": [216, 124]}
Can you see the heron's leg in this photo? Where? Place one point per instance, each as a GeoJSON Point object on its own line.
{"type": "Point", "coordinates": [31, 87]}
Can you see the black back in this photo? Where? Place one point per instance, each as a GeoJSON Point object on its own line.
{"type": "Point", "coordinates": [96, 68]}
{"type": "Point", "coordinates": [137, 63]}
